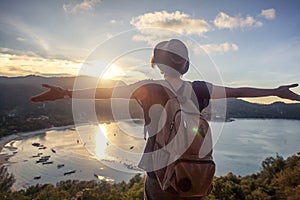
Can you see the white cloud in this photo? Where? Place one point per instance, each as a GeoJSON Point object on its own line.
{"type": "Point", "coordinates": [153, 26]}
{"type": "Point", "coordinates": [20, 65]}
{"type": "Point", "coordinates": [214, 48]}
{"type": "Point", "coordinates": [85, 5]}
{"type": "Point", "coordinates": [21, 39]}
{"type": "Point", "coordinates": [268, 13]}
{"type": "Point", "coordinates": [16, 52]}
{"type": "Point", "coordinates": [109, 35]}
{"type": "Point", "coordinates": [113, 21]}
{"type": "Point", "coordinates": [223, 21]}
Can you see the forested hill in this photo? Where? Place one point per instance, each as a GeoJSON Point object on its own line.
{"type": "Point", "coordinates": [237, 108]}
{"type": "Point", "coordinates": [278, 179]}
{"type": "Point", "coordinates": [16, 111]}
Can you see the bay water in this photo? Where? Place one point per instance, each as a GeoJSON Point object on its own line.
{"type": "Point", "coordinates": [111, 151]}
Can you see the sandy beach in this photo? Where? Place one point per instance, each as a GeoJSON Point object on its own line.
{"type": "Point", "coordinates": [4, 157]}
{"type": "Point", "coordinates": [18, 136]}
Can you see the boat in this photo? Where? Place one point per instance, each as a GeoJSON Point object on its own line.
{"type": "Point", "coordinates": [36, 144]}
{"type": "Point", "coordinates": [37, 177]}
{"type": "Point", "coordinates": [43, 159]}
{"type": "Point", "coordinates": [48, 162]}
{"type": "Point", "coordinates": [53, 150]}
{"type": "Point", "coordinates": [60, 166]}
{"type": "Point", "coordinates": [69, 172]}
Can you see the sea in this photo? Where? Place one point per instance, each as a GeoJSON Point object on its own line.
{"type": "Point", "coordinates": [111, 151]}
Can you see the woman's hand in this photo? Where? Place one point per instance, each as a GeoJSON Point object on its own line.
{"type": "Point", "coordinates": [52, 94]}
{"type": "Point", "coordinates": [284, 92]}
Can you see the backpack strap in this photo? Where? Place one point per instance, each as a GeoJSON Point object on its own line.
{"type": "Point", "coordinates": [187, 92]}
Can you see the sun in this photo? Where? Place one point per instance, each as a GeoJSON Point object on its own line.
{"type": "Point", "coordinates": [113, 72]}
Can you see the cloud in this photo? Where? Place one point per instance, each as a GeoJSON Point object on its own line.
{"type": "Point", "coordinates": [4, 50]}
{"type": "Point", "coordinates": [214, 48]}
{"type": "Point", "coordinates": [113, 21]}
{"type": "Point", "coordinates": [109, 35]}
{"type": "Point", "coordinates": [268, 13]}
{"type": "Point", "coordinates": [223, 21]}
{"type": "Point", "coordinates": [20, 65]}
{"type": "Point", "coordinates": [29, 35]}
{"type": "Point", "coordinates": [21, 39]}
{"type": "Point", "coordinates": [85, 5]}
{"type": "Point", "coordinates": [155, 25]}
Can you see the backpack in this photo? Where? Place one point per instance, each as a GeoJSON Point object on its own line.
{"type": "Point", "coordinates": [182, 154]}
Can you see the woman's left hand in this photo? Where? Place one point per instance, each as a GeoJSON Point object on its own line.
{"type": "Point", "coordinates": [285, 92]}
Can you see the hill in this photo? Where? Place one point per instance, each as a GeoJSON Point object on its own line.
{"type": "Point", "coordinates": [17, 113]}
{"type": "Point", "coordinates": [278, 179]}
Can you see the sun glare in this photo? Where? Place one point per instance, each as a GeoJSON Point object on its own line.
{"type": "Point", "coordinates": [113, 72]}
{"type": "Point", "coordinates": [101, 141]}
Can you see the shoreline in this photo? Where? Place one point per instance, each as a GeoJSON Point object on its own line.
{"type": "Point", "coordinates": [35, 134]}
{"type": "Point", "coordinates": [22, 135]}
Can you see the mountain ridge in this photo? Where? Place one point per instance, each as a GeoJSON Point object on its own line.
{"type": "Point", "coordinates": [17, 113]}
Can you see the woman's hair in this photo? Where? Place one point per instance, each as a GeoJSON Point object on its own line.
{"type": "Point", "coordinates": [171, 57]}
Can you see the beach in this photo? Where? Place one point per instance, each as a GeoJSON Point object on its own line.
{"type": "Point", "coordinates": [22, 135]}
{"type": "Point", "coordinates": [68, 157]}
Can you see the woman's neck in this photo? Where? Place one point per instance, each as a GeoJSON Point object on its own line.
{"type": "Point", "coordinates": [176, 82]}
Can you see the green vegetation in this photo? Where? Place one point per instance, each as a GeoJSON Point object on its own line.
{"type": "Point", "coordinates": [6, 181]}
{"type": "Point", "coordinates": [278, 179]}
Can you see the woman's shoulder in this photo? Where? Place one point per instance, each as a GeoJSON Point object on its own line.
{"type": "Point", "coordinates": [202, 85]}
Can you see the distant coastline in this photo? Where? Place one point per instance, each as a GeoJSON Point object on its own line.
{"type": "Point", "coordinates": [22, 135]}
{"type": "Point", "coordinates": [18, 114]}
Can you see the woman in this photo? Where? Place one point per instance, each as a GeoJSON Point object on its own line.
{"type": "Point", "coordinates": [171, 57]}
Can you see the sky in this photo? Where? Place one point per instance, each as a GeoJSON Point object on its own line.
{"type": "Point", "coordinates": [232, 43]}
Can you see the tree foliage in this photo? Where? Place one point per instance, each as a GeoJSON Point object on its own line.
{"type": "Point", "coordinates": [6, 180]}
{"type": "Point", "coordinates": [278, 179]}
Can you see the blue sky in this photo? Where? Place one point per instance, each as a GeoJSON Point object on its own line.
{"type": "Point", "coordinates": [235, 43]}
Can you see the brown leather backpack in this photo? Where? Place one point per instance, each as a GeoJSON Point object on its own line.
{"type": "Point", "coordinates": [182, 156]}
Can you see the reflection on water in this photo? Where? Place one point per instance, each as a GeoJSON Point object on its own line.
{"type": "Point", "coordinates": [101, 141]}
{"type": "Point", "coordinates": [71, 160]}
{"type": "Point", "coordinates": [241, 148]}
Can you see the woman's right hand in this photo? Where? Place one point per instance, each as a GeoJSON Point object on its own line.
{"type": "Point", "coordinates": [53, 93]}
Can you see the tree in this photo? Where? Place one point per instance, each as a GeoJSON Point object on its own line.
{"type": "Point", "coordinates": [6, 180]}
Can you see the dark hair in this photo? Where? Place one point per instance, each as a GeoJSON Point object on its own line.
{"type": "Point", "coordinates": [171, 57]}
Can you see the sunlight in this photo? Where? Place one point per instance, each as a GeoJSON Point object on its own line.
{"type": "Point", "coordinates": [101, 141]}
{"type": "Point", "coordinates": [113, 72]}
{"type": "Point", "coordinates": [22, 65]}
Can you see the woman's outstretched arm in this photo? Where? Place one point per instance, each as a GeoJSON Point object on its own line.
{"type": "Point", "coordinates": [281, 91]}
{"type": "Point", "coordinates": [55, 93]}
